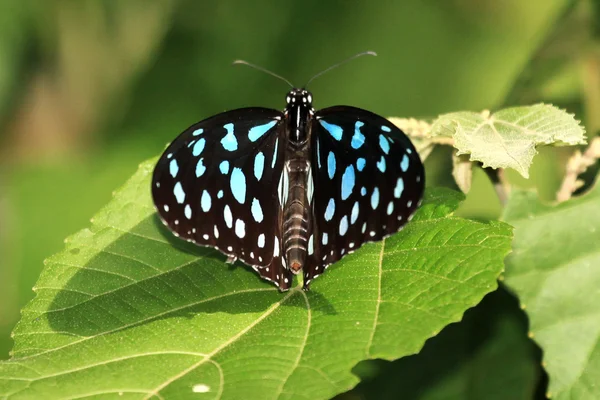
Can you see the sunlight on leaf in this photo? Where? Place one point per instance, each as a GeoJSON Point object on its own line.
{"type": "Point", "coordinates": [508, 138]}
{"type": "Point", "coordinates": [554, 271]}
{"type": "Point", "coordinates": [128, 310]}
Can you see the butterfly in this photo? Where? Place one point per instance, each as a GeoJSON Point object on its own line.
{"type": "Point", "coordinates": [288, 191]}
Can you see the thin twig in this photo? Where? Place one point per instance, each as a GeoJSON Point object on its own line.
{"type": "Point", "coordinates": [578, 164]}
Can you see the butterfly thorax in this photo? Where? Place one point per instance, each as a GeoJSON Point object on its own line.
{"type": "Point", "coordinates": [296, 211]}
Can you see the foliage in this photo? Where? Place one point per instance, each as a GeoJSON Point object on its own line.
{"type": "Point", "coordinates": [126, 293]}
{"type": "Point", "coordinates": [507, 138]}
{"type": "Point", "coordinates": [554, 271]}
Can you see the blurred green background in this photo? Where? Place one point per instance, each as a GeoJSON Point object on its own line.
{"type": "Point", "coordinates": [90, 88]}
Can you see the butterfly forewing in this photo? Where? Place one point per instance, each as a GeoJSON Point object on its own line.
{"type": "Point", "coordinates": [368, 180]}
{"type": "Point", "coordinates": [217, 185]}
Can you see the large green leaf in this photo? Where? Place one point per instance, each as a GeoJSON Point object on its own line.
{"type": "Point", "coordinates": [126, 309]}
{"type": "Point", "coordinates": [508, 138]}
{"type": "Point", "coordinates": [555, 271]}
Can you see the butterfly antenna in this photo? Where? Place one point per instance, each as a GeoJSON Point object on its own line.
{"type": "Point", "coordinates": [236, 62]}
{"type": "Point", "coordinates": [364, 53]}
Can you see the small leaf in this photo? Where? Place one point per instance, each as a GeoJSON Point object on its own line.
{"type": "Point", "coordinates": [554, 271]}
{"type": "Point", "coordinates": [130, 311]}
{"type": "Point", "coordinates": [462, 172]}
{"type": "Point", "coordinates": [507, 139]}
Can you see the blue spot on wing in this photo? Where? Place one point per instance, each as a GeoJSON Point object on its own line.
{"type": "Point", "coordinates": [343, 225]}
{"type": "Point", "coordinates": [381, 164]}
{"type": "Point", "coordinates": [330, 210]}
{"type": "Point", "coordinates": [404, 163]}
{"type": "Point", "coordinates": [259, 165]}
{"type": "Point", "coordinates": [257, 132]}
{"type": "Point", "coordinates": [198, 147]}
{"type": "Point", "coordinates": [179, 193]}
{"type": "Point", "coordinates": [331, 165]}
{"type": "Point", "coordinates": [399, 188]}
{"type": "Point", "coordinates": [360, 164]}
{"type": "Point", "coordinates": [348, 180]}
{"type": "Point", "coordinates": [334, 130]}
{"type": "Point", "coordinates": [224, 167]}
{"type": "Point", "coordinates": [358, 139]}
{"type": "Point", "coordinates": [354, 215]}
{"type": "Point", "coordinates": [229, 141]}
{"type": "Point", "coordinates": [228, 216]}
{"type": "Point", "coordinates": [173, 168]}
{"type": "Point", "coordinates": [197, 132]}
{"type": "Point", "coordinates": [200, 168]}
{"type": "Point", "coordinates": [256, 209]}
{"type": "Point", "coordinates": [238, 185]}
{"type": "Point", "coordinates": [385, 128]}
{"type": "Point", "coordinates": [384, 144]}
{"type": "Point", "coordinates": [205, 201]}
{"type": "Point", "coordinates": [375, 198]}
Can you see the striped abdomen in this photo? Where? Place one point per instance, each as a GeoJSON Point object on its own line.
{"type": "Point", "coordinates": [296, 216]}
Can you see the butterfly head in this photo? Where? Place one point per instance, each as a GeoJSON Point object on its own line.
{"type": "Point", "coordinates": [297, 97]}
{"type": "Point", "coordinates": [298, 112]}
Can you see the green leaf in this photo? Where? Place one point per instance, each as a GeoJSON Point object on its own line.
{"type": "Point", "coordinates": [554, 271]}
{"type": "Point", "coordinates": [487, 355]}
{"type": "Point", "coordinates": [127, 308]}
{"type": "Point", "coordinates": [507, 139]}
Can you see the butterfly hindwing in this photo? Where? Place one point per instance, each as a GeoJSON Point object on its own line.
{"type": "Point", "coordinates": [217, 184]}
{"type": "Point", "coordinates": [368, 180]}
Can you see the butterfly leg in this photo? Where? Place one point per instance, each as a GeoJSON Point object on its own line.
{"type": "Point", "coordinates": [231, 259]}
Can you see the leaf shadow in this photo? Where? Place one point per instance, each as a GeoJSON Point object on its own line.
{"type": "Point", "coordinates": [147, 274]}
{"type": "Point", "coordinates": [485, 353]}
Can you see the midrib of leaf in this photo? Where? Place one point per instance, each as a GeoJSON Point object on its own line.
{"type": "Point", "coordinates": [491, 123]}
{"type": "Point", "coordinates": [302, 346]}
{"type": "Point", "coordinates": [378, 301]}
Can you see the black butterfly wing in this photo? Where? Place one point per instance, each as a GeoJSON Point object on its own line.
{"type": "Point", "coordinates": [368, 181]}
{"type": "Point", "coordinates": [218, 184]}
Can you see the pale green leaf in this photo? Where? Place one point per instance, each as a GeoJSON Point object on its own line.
{"type": "Point", "coordinates": [554, 269]}
{"type": "Point", "coordinates": [508, 138]}
{"type": "Point", "coordinates": [129, 311]}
